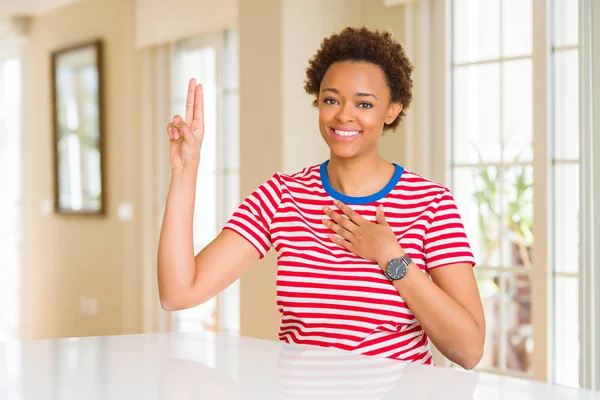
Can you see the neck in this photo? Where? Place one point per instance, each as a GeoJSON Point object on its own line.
{"type": "Point", "coordinates": [359, 177]}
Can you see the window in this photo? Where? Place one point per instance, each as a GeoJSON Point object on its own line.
{"type": "Point", "coordinates": [498, 146]}
{"type": "Point", "coordinates": [492, 167]}
{"type": "Point", "coordinates": [10, 199]}
{"type": "Point", "coordinates": [212, 60]}
{"type": "Point", "coordinates": [10, 219]}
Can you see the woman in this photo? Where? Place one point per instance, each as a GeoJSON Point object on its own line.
{"type": "Point", "coordinates": [372, 258]}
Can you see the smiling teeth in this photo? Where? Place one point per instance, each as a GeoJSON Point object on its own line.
{"type": "Point", "coordinates": [346, 133]}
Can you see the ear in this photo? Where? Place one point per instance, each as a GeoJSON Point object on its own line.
{"type": "Point", "coordinates": [392, 113]}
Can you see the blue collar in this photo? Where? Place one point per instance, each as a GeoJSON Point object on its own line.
{"type": "Point", "coordinates": [361, 199]}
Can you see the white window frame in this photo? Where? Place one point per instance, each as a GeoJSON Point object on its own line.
{"type": "Point", "coordinates": [589, 72]}
{"type": "Point", "coordinates": [11, 49]}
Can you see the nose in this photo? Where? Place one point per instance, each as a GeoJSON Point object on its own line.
{"type": "Point", "coordinates": [346, 113]}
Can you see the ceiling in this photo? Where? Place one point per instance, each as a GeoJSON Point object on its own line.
{"type": "Point", "coordinates": [31, 7]}
{"type": "Point", "coordinates": [36, 7]}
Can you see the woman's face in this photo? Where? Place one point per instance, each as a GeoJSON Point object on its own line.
{"type": "Point", "coordinates": [354, 104]}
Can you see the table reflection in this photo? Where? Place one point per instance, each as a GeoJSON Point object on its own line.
{"type": "Point", "coordinates": [301, 372]}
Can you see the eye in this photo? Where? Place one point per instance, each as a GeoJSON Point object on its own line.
{"type": "Point", "coordinates": [330, 101]}
{"type": "Point", "coordinates": [365, 105]}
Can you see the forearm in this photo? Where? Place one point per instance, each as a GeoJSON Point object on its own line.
{"type": "Point", "coordinates": [451, 328]}
{"type": "Point", "coordinates": [176, 264]}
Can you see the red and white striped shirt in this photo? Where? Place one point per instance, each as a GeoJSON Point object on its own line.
{"type": "Point", "coordinates": [326, 295]}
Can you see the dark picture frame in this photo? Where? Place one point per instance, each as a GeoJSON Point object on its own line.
{"type": "Point", "coordinates": [78, 129]}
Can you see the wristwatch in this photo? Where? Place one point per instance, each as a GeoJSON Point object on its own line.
{"type": "Point", "coordinates": [396, 267]}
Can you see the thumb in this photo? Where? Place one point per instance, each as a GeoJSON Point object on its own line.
{"type": "Point", "coordinates": [185, 130]}
{"type": "Point", "coordinates": [381, 216]}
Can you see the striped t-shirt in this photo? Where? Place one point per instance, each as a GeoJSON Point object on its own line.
{"type": "Point", "coordinates": [326, 295]}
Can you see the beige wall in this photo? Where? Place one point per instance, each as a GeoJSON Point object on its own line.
{"type": "Point", "coordinates": [305, 24]}
{"type": "Point", "coordinates": [377, 16]}
{"type": "Point", "coordinates": [160, 21]}
{"type": "Point", "coordinates": [66, 258]}
{"type": "Point", "coordinates": [261, 144]}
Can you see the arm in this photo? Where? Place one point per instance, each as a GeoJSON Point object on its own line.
{"type": "Point", "coordinates": [447, 306]}
{"type": "Point", "coordinates": [449, 309]}
{"type": "Point", "coordinates": [186, 281]}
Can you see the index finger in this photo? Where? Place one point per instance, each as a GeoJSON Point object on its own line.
{"type": "Point", "coordinates": [189, 103]}
{"type": "Point", "coordinates": [350, 213]}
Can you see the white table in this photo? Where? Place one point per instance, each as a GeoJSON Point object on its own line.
{"type": "Point", "coordinates": [217, 366]}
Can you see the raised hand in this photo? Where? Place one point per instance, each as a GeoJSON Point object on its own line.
{"type": "Point", "coordinates": [186, 135]}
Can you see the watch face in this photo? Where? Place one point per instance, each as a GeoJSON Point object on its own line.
{"type": "Point", "coordinates": [396, 269]}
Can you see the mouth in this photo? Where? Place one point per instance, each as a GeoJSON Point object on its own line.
{"type": "Point", "coordinates": [344, 134]}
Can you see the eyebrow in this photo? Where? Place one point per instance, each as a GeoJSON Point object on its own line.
{"type": "Point", "coordinates": [359, 94]}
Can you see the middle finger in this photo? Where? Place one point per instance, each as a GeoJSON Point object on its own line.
{"type": "Point", "coordinates": [198, 121]}
{"type": "Point", "coordinates": [189, 103]}
{"type": "Point", "coordinates": [340, 219]}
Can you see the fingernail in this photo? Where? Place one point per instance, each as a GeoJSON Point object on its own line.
{"type": "Point", "coordinates": [176, 120]}
{"type": "Point", "coordinates": [326, 209]}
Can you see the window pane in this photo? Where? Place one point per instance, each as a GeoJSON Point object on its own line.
{"type": "Point", "coordinates": [205, 210]}
{"type": "Point", "coordinates": [517, 32]}
{"type": "Point", "coordinates": [517, 103]}
{"type": "Point", "coordinates": [566, 218]}
{"type": "Point", "coordinates": [9, 314]}
{"type": "Point", "coordinates": [232, 189]}
{"type": "Point", "coordinates": [231, 131]}
{"type": "Point", "coordinates": [231, 60]}
{"type": "Point", "coordinates": [476, 29]}
{"type": "Point", "coordinates": [518, 216]}
{"type": "Point", "coordinates": [200, 63]}
{"type": "Point", "coordinates": [566, 26]}
{"type": "Point", "coordinates": [489, 289]}
{"type": "Point", "coordinates": [229, 309]}
{"type": "Point", "coordinates": [10, 257]}
{"type": "Point", "coordinates": [566, 105]}
{"type": "Point", "coordinates": [208, 161]}
{"type": "Point", "coordinates": [10, 199]}
{"type": "Point", "coordinates": [566, 331]}
{"type": "Point", "coordinates": [519, 331]}
{"type": "Point", "coordinates": [476, 117]}
{"type": "Point", "coordinates": [208, 153]}
{"type": "Point", "coordinates": [198, 318]}
{"type": "Point", "coordinates": [476, 192]}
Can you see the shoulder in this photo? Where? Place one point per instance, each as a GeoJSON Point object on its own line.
{"type": "Point", "coordinates": [413, 182]}
{"type": "Point", "coordinates": [306, 179]}
{"type": "Point", "coordinates": [425, 193]}
{"type": "Point", "coordinates": [303, 177]}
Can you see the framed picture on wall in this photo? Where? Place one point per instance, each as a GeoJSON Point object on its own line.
{"type": "Point", "coordinates": [78, 116]}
